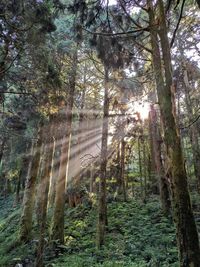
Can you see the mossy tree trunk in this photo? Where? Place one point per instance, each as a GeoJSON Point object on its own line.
{"type": "Point", "coordinates": [81, 128]}
{"type": "Point", "coordinates": [140, 138]}
{"type": "Point", "coordinates": [118, 169]}
{"type": "Point", "coordinates": [145, 166]}
{"type": "Point", "coordinates": [122, 146]}
{"type": "Point", "coordinates": [187, 236]}
{"type": "Point", "coordinates": [2, 147]}
{"type": "Point", "coordinates": [160, 172]}
{"type": "Point", "coordinates": [57, 232]}
{"type": "Point", "coordinates": [25, 162]}
{"type": "Point", "coordinates": [193, 131]}
{"type": "Point", "coordinates": [2, 174]}
{"type": "Point", "coordinates": [17, 195]}
{"type": "Point", "coordinates": [102, 210]}
{"type": "Point", "coordinates": [55, 170]}
{"type": "Point", "coordinates": [43, 193]}
{"type": "Point", "coordinates": [29, 194]}
{"type": "Point", "coordinates": [154, 183]}
{"type": "Point", "coordinates": [122, 168]}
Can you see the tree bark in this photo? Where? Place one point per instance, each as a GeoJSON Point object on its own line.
{"type": "Point", "coordinates": [160, 173]}
{"type": "Point", "coordinates": [58, 216]}
{"type": "Point", "coordinates": [145, 164]}
{"type": "Point", "coordinates": [43, 191]}
{"type": "Point", "coordinates": [193, 131]}
{"type": "Point", "coordinates": [122, 169]}
{"type": "Point", "coordinates": [29, 194]}
{"type": "Point", "coordinates": [187, 236]}
{"type": "Point", "coordinates": [140, 164]}
{"type": "Point", "coordinates": [102, 212]}
{"type": "Point", "coordinates": [55, 170]}
{"type": "Point", "coordinates": [122, 189]}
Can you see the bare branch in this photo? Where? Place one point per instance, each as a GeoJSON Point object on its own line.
{"type": "Point", "coordinates": [117, 33]}
{"type": "Point", "coordinates": [177, 26]}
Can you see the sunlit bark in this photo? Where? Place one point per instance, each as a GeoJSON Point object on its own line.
{"type": "Point", "coordinates": [43, 193]}
{"type": "Point", "coordinates": [58, 216]}
{"type": "Point", "coordinates": [29, 194]}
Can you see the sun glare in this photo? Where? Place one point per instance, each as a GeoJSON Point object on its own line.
{"type": "Point", "coordinates": [141, 107]}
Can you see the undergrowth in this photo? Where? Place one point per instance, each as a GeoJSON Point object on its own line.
{"type": "Point", "coordinates": [138, 235]}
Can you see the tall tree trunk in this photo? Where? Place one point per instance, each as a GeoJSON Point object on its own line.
{"type": "Point", "coordinates": [58, 216]}
{"type": "Point", "coordinates": [18, 186]}
{"type": "Point", "coordinates": [55, 170]}
{"type": "Point", "coordinates": [187, 236]}
{"type": "Point", "coordinates": [122, 168]}
{"type": "Point", "coordinates": [43, 191]}
{"type": "Point", "coordinates": [2, 174]}
{"type": "Point", "coordinates": [145, 164]}
{"type": "Point", "coordinates": [152, 169]}
{"type": "Point", "coordinates": [3, 142]}
{"type": "Point", "coordinates": [102, 212]}
{"type": "Point", "coordinates": [122, 123]}
{"type": "Point", "coordinates": [118, 169]}
{"type": "Point", "coordinates": [81, 127]}
{"type": "Point", "coordinates": [140, 164]}
{"type": "Point", "coordinates": [160, 173]}
{"type": "Point", "coordinates": [29, 194]}
{"type": "Point", "coordinates": [193, 131]}
{"type": "Point", "coordinates": [92, 169]}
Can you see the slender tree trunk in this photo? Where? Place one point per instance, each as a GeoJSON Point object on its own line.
{"type": "Point", "coordinates": [122, 188]}
{"type": "Point", "coordinates": [140, 164]}
{"type": "Point", "coordinates": [3, 178]}
{"type": "Point", "coordinates": [52, 185]}
{"type": "Point", "coordinates": [44, 190]}
{"type": "Point", "coordinates": [7, 188]}
{"type": "Point", "coordinates": [58, 216]}
{"type": "Point", "coordinates": [122, 168]}
{"type": "Point", "coordinates": [145, 170]}
{"type": "Point", "coordinates": [17, 196]}
{"type": "Point", "coordinates": [92, 178]}
{"type": "Point", "coordinates": [187, 236]}
{"type": "Point", "coordinates": [118, 169]}
{"type": "Point", "coordinates": [39, 176]}
{"type": "Point", "coordinates": [102, 212]}
{"type": "Point", "coordinates": [153, 178]}
{"type": "Point", "coordinates": [3, 142]}
{"type": "Point", "coordinates": [55, 170]}
{"type": "Point", "coordinates": [193, 131]}
{"type": "Point", "coordinates": [156, 142]}
{"type": "Point", "coordinates": [81, 126]}
{"type": "Point", "coordinates": [29, 194]}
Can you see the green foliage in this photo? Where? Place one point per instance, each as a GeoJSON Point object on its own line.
{"type": "Point", "coordinates": [9, 246]}
{"type": "Point", "coordinates": [137, 236]}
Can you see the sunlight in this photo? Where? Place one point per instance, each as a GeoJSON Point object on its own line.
{"type": "Point", "coordinates": [142, 107]}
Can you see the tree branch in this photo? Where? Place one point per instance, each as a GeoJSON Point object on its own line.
{"type": "Point", "coordinates": [177, 26]}
{"type": "Point", "coordinates": [117, 33]}
{"type": "Point", "coordinates": [190, 124]}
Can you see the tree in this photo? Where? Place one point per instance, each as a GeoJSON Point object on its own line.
{"type": "Point", "coordinates": [58, 216]}
{"type": "Point", "coordinates": [187, 237]}
{"type": "Point", "coordinates": [102, 214]}
{"type": "Point", "coordinates": [157, 158]}
{"type": "Point", "coordinates": [29, 194]}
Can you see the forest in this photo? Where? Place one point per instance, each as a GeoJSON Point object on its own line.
{"type": "Point", "coordinates": [99, 133]}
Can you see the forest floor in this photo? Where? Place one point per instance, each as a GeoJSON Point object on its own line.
{"type": "Point", "coordinates": [138, 235]}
